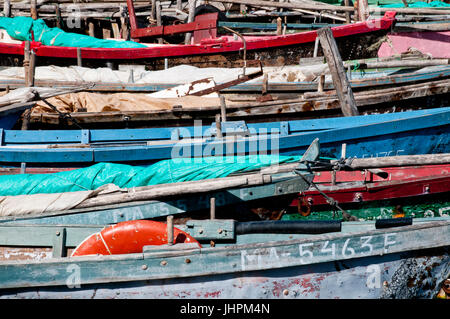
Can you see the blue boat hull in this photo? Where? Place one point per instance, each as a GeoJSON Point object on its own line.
{"type": "Point", "coordinates": [406, 133]}
{"type": "Point", "coordinates": [7, 122]}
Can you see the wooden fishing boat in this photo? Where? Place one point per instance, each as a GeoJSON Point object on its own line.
{"type": "Point", "coordinates": [365, 136]}
{"type": "Point", "coordinates": [256, 101]}
{"type": "Point", "coordinates": [222, 51]}
{"type": "Point", "coordinates": [387, 258]}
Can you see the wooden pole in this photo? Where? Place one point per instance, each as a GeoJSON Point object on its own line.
{"type": "Point", "coordinates": [58, 16]}
{"type": "Point", "coordinates": [32, 68]}
{"type": "Point", "coordinates": [400, 160]}
{"type": "Point", "coordinates": [158, 18]}
{"type": "Point", "coordinates": [28, 63]}
{"type": "Point", "coordinates": [279, 26]}
{"type": "Point", "coordinates": [6, 8]}
{"type": "Point", "coordinates": [132, 14]}
{"type": "Point", "coordinates": [218, 126]}
{"type": "Point", "coordinates": [347, 14]}
{"type": "Point", "coordinates": [192, 4]}
{"type": "Point", "coordinates": [401, 63]}
{"type": "Point", "coordinates": [91, 29]}
{"type": "Point", "coordinates": [33, 9]}
{"type": "Point", "coordinates": [223, 109]}
{"type": "Point", "coordinates": [338, 74]}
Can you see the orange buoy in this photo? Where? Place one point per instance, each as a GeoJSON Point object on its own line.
{"type": "Point", "coordinates": [130, 237]}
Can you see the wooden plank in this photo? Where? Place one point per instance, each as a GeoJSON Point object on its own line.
{"type": "Point", "coordinates": [340, 80]}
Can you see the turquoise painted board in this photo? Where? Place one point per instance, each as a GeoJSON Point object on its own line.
{"type": "Point", "coordinates": [348, 263]}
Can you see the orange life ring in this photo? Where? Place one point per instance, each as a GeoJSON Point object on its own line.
{"type": "Point", "coordinates": [129, 237]}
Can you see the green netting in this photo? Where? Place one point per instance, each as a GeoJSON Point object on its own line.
{"type": "Point", "coordinates": [22, 28]}
{"type": "Point", "coordinates": [127, 176]}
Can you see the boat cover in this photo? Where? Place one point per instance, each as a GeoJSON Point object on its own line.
{"type": "Point", "coordinates": [27, 29]}
{"type": "Point", "coordinates": [128, 176]}
{"type": "Point", "coordinates": [26, 194]}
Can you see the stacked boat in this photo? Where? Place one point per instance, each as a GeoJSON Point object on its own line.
{"type": "Point", "coordinates": [291, 169]}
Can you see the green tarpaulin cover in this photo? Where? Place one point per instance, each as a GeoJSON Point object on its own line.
{"type": "Point", "coordinates": [22, 28]}
{"type": "Point", "coordinates": [396, 3]}
{"type": "Point", "coordinates": [127, 176]}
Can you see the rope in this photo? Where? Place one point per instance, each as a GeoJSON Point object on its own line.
{"type": "Point", "coordinates": [334, 203]}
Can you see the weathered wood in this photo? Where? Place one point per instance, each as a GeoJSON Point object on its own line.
{"type": "Point", "coordinates": [400, 64]}
{"type": "Point", "coordinates": [231, 259]}
{"type": "Point", "coordinates": [191, 16]}
{"type": "Point", "coordinates": [279, 26]}
{"type": "Point", "coordinates": [158, 18]}
{"type": "Point", "coordinates": [321, 101]}
{"type": "Point", "coordinates": [223, 109]}
{"type": "Point", "coordinates": [340, 81]}
{"type": "Point", "coordinates": [363, 7]}
{"type": "Point", "coordinates": [288, 5]}
{"type": "Point", "coordinates": [33, 9]}
{"type": "Point", "coordinates": [116, 30]}
{"type": "Point", "coordinates": [158, 191]}
{"type": "Point", "coordinates": [401, 160]}
{"type": "Point", "coordinates": [212, 208]}
{"type": "Point", "coordinates": [347, 14]}
{"type": "Point", "coordinates": [58, 16]}
{"type": "Point", "coordinates": [152, 14]}
{"type": "Point", "coordinates": [319, 7]}
{"type": "Point", "coordinates": [26, 63]}
{"type": "Point", "coordinates": [414, 27]}
{"type": "Point", "coordinates": [321, 83]}
{"type": "Point", "coordinates": [218, 126]}
{"type": "Point", "coordinates": [59, 243]}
